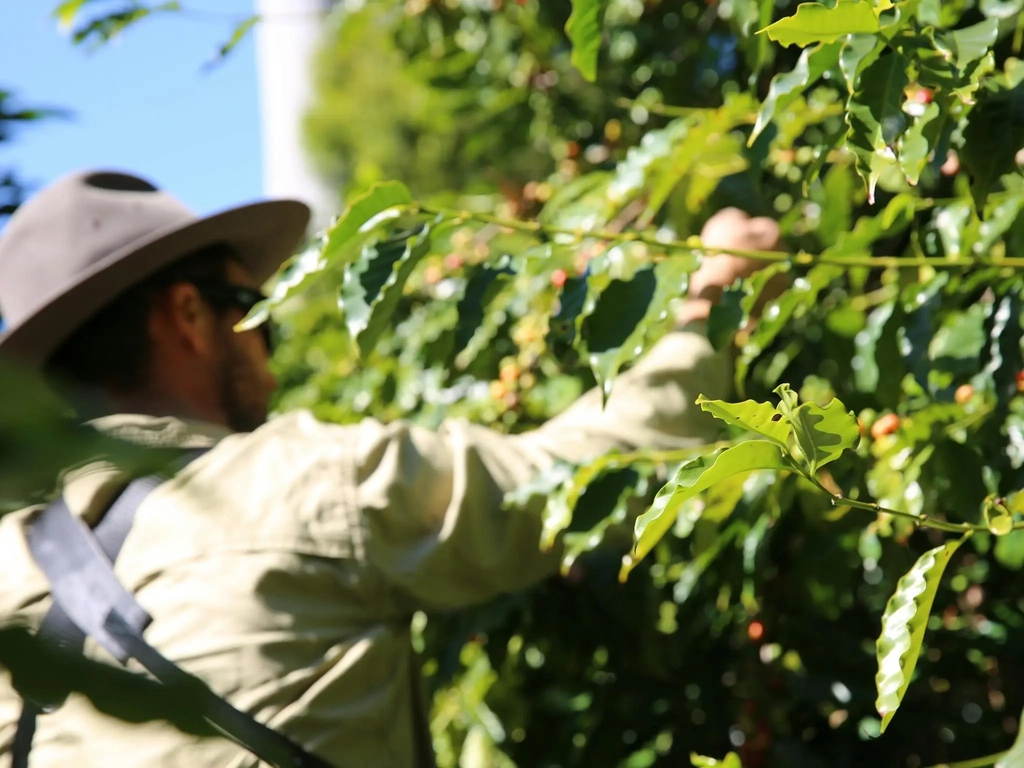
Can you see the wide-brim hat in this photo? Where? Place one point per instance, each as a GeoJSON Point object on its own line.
{"type": "Point", "coordinates": [90, 236]}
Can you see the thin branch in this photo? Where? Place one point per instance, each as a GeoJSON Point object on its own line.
{"type": "Point", "coordinates": [694, 246]}
{"type": "Point", "coordinates": [923, 520]}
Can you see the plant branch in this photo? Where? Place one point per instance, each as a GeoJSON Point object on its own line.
{"type": "Point", "coordinates": [694, 246]}
{"type": "Point", "coordinates": [925, 521]}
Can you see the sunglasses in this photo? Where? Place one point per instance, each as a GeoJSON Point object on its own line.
{"type": "Point", "coordinates": [223, 295]}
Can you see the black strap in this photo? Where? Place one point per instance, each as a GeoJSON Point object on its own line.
{"type": "Point", "coordinates": [89, 600]}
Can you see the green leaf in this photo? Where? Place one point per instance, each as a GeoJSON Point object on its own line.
{"type": "Point", "coordinates": [876, 116]}
{"type": "Point", "coordinates": [238, 34]}
{"type": "Point", "coordinates": [731, 760]}
{"type": "Point", "coordinates": [993, 137]}
{"type": "Point", "coordinates": [584, 30]}
{"type": "Point", "coordinates": [970, 43]}
{"type": "Point", "coordinates": [1001, 9]}
{"type": "Point", "coordinates": [762, 418]}
{"type": "Point", "coordinates": [67, 12]}
{"type": "Point", "coordinates": [858, 52]}
{"type": "Point", "coordinates": [373, 285]}
{"type": "Point", "coordinates": [917, 143]}
{"type": "Point", "coordinates": [486, 283]}
{"type": "Point", "coordinates": [787, 86]}
{"type": "Point", "coordinates": [615, 325]}
{"type": "Point", "coordinates": [364, 209]}
{"type": "Point", "coordinates": [1014, 758]}
{"type": "Point", "coordinates": [821, 433]}
{"type": "Point", "coordinates": [693, 478]}
{"type": "Point", "coordinates": [816, 23]}
{"type": "Point", "coordinates": [903, 627]}
{"type": "Point", "coordinates": [105, 28]}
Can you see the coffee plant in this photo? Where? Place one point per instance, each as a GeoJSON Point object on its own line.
{"type": "Point", "coordinates": [836, 582]}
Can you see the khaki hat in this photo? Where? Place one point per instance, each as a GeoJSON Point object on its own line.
{"type": "Point", "coordinates": [78, 244]}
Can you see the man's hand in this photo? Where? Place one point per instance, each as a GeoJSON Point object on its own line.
{"type": "Point", "coordinates": [730, 228]}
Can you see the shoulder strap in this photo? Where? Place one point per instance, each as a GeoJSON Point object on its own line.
{"type": "Point", "coordinates": [89, 600]}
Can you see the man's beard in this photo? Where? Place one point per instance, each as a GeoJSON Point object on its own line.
{"type": "Point", "coordinates": [239, 399]}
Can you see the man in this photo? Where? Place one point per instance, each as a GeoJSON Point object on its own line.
{"type": "Point", "coordinates": [282, 566]}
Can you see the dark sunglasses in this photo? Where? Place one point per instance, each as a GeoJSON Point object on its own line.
{"type": "Point", "coordinates": [224, 295]}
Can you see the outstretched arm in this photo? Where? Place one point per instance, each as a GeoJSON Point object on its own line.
{"type": "Point", "coordinates": [433, 500]}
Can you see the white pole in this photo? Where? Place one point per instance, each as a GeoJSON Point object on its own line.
{"type": "Point", "coordinates": [287, 37]}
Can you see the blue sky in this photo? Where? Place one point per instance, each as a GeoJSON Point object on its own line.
{"type": "Point", "coordinates": [142, 103]}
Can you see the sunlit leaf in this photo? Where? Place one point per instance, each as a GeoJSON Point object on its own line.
{"type": "Point", "coordinates": [731, 760]}
{"type": "Point", "coordinates": [379, 198]}
{"type": "Point", "coordinates": [817, 23]}
{"type": "Point", "coordinates": [822, 433]}
{"type": "Point", "coordinates": [857, 53]}
{"type": "Point", "coordinates": [903, 627]}
{"type": "Point", "coordinates": [916, 145]}
{"type": "Point", "coordinates": [693, 478]}
{"type": "Point", "coordinates": [876, 115]}
{"type": "Point", "coordinates": [584, 30]}
{"type": "Point", "coordinates": [762, 418]}
{"type": "Point", "coordinates": [374, 284]}
{"type": "Point", "coordinates": [970, 43]}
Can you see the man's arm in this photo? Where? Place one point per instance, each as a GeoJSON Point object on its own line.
{"type": "Point", "coordinates": [432, 501]}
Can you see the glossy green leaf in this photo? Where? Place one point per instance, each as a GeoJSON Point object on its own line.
{"type": "Point", "coordinates": [731, 760]}
{"type": "Point", "coordinates": [876, 115]}
{"type": "Point", "coordinates": [584, 30]}
{"type": "Point", "coordinates": [377, 202]}
{"type": "Point", "coordinates": [762, 418]}
{"type": "Point", "coordinates": [817, 23]}
{"type": "Point", "coordinates": [373, 285]}
{"type": "Point", "coordinates": [857, 53]}
{"type": "Point", "coordinates": [67, 11]}
{"type": "Point", "coordinates": [786, 87]}
{"type": "Point", "coordinates": [917, 143]}
{"type": "Point", "coordinates": [821, 433]}
{"type": "Point", "coordinates": [615, 325]}
{"type": "Point", "coordinates": [903, 626]}
{"type": "Point", "coordinates": [692, 478]}
{"type": "Point", "coordinates": [970, 43]}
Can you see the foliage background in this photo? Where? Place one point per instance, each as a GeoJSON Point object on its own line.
{"type": "Point", "coordinates": [751, 626]}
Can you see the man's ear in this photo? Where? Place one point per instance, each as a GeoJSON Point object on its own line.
{"type": "Point", "coordinates": [182, 319]}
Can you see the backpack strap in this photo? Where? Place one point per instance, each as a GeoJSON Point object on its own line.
{"type": "Point", "coordinates": [89, 600]}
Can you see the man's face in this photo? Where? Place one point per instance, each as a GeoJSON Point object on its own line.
{"type": "Point", "coordinates": [243, 377]}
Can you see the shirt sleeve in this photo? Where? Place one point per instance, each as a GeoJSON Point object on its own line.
{"type": "Point", "coordinates": [432, 500]}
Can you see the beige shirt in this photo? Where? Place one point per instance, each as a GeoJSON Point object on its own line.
{"type": "Point", "coordinates": [283, 566]}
